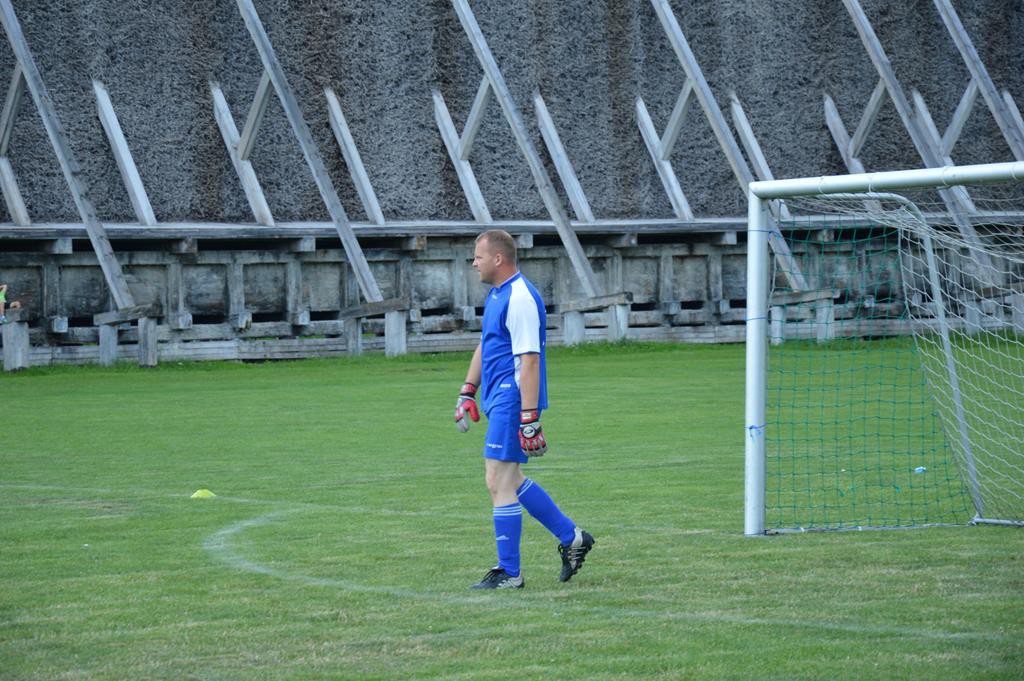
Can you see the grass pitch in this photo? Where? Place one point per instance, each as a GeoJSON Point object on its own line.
{"type": "Point", "coordinates": [351, 518]}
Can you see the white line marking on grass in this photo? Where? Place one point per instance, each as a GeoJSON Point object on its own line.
{"type": "Point", "coordinates": [60, 488]}
{"type": "Point", "coordinates": [370, 510]}
{"type": "Point", "coordinates": [218, 545]}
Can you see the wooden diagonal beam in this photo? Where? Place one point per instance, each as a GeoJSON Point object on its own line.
{"type": "Point", "coordinates": [754, 152]}
{"type": "Point", "coordinates": [73, 174]}
{"type": "Point", "coordinates": [926, 149]}
{"type": "Point", "coordinates": [123, 156]}
{"type": "Point", "coordinates": [960, 116]}
{"type": "Point", "coordinates": [563, 166]}
{"type": "Point", "coordinates": [12, 103]}
{"type": "Point", "coordinates": [919, 137]}
{"type": "Point", "coordinates": [675, 121]}
{"type": "Point", "coordinates": [703, 92]}
{"type": "Point", "coordinates": [750, 144]}
{"type": "Point", "coordinates": [884, 68]}
{"type": "Point", "coordinates": [840, 136]}
{"type": "Point", "coordinates": [929, 127]}
{"type": "Point", "coordinates": [714, 116]}
{"type": "Point", "coordinates": [12, 195]}
{"type": "Point", "coordinates": [669, 180]}
{"type": "Point", "coordinates": [463, 169]}
{"type": "Point", "coordinates": [260, 100]}
{"type": "Point", "coordinates": [842, 139]}
{"type": "Point", "coordinates": [8, 183]}
{"type": "Point", "coordinates": [1011, 106]}
{"type": "Point", "coordinates": [867, 119]}
{"type": "Point", "coordinates": [353, 160]}
{"type": "Point", "coordinates": [275, 72]}
{"type": "Point", "coordinates": [540, 174]}
{"type": "Point", "coordinates": [243, 167]}
{"type": "Point", "coordinates": [475, 117]}
{"type": "Point", "coordinates": [1014, 136]}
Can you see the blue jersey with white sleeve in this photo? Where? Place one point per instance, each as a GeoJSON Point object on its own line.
{"type": "Point", "coordinates": [513, 325]}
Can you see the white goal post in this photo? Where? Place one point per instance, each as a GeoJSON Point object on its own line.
{"type": "Point", "coordinates": [761, 227]}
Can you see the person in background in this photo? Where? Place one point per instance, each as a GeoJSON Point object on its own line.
{"type": "Point", "coordinates": [3, 304]}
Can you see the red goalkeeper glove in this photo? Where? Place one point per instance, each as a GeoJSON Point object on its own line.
{"type": "Point", "coordinates": [531, 437]}
{"type": "Point", "coordinates": [466, 406]}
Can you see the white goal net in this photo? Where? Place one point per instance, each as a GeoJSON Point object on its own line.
{"type": "Point", "coordinates": [886, 352]}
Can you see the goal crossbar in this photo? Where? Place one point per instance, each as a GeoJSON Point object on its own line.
{"type": "Point", "coordinates": [940, 178]}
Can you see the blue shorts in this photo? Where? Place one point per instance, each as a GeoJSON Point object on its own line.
{"type": "Point", "coordinates": [502, 441]}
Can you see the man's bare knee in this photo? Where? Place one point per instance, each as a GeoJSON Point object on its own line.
{"type": "Point", "coordinates": [502, 478]}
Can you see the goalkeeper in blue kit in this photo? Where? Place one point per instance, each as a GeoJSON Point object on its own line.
{"type": "Point", "coordinates": [508, 369]}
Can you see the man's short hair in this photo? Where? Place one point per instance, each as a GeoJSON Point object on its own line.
{"type": "Point", "coordinates": [500, 241]}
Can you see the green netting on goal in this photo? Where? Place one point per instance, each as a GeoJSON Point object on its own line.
{"type": "Point", "coordinates": [889, 404]}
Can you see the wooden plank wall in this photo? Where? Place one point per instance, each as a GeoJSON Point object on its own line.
{"type": "Point", "coordinates": [218, 299]}
{"type": "Point", "coordinates": [248, 300]}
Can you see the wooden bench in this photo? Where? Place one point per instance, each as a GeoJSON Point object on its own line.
{"type": "Point", "coordinates": [395, 311]}
{"type": "Point", "coordinates": [824, 312]}
{"type": "Point", "coordinates": [109, 323]}
{"type": "Point", "coordinates": [573, 326]}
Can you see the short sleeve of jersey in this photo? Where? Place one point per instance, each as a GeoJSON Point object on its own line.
{"type": "Point", "coordinates": [523, 320]}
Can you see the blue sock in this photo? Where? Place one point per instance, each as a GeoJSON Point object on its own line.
{"type": "Point", "coordinates": [537, 502]}
{"type": "Point", "coordinates": [508, 528]}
